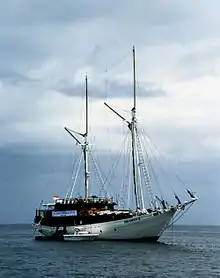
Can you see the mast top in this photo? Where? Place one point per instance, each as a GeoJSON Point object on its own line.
{"type": "Point", "coordinates": [87, 100]}
{"type": "Point", "coordinates": [134, 80]}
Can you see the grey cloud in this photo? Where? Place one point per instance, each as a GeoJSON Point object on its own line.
{"type": "Point", "coordinates": [32, 32]}
{"type": "Point", "coordinates": [151, 22]}
{"type": "Point", "coordinates": [27, 12]}
{"type": "Point", "coordinates": [114, 90]}
{"type": "Point", "coordinates": [14, 78]}
{"type": "Point", "coordinates": [20, 50]}
{"type": "Point", "coordinates": [32, 13]}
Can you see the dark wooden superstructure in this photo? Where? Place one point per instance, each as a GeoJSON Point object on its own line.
{"type": "Point", "coordinates": [79, 211]}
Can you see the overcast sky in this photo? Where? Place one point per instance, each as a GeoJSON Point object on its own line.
{"type": "Point", "coordinates": [47, 47]}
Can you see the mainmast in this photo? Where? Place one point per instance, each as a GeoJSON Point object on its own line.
{"type": "Point", "coordinates": [132, 127]}
{"type": "Point", "coordinates": [85, 146]}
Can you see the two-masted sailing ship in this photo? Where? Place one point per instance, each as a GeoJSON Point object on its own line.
{"type": "Point", "coordinates": [100, 217]}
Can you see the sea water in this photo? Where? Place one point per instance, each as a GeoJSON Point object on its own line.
{"type": "Point", "coordinates": [183, 251]}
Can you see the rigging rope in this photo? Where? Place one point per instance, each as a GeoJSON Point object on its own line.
{"type": "Point", "coordinates": [180, 182]}
{"type": "Point", "coordinates": [144, 170]}
{"type": "Point", "coordinates": [98, 173]}
{"type": "Point", "coordinates": [147, 147]}
{"type": "Point", "coordinates": [72, 173]}
{"type": "Point", "coordinates": [116, 161]}
{"type": "Point", "coordinates": [127, 161]}
{"type": "Point", "coordinates": [151, 146]}
{"type": "Point", "coordinates": [76, 176]}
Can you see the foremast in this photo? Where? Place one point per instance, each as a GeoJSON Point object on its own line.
{"type": "Point", "coordinates": [85, 146]}
{"type": "Point", "coordinates": [85, 143]}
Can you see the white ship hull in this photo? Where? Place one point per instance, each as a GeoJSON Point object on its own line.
{"type": "Point", "coordinates": [143, 227]}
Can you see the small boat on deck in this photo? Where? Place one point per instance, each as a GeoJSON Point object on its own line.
{"type": "Point", "coordinates": [79, 235]}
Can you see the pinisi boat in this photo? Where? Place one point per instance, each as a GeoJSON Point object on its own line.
{"type": "Point", "coordinates": [99, 217]}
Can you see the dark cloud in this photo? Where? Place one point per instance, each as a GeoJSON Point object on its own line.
{"type": "Point", "coordinates": [27, 179]}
